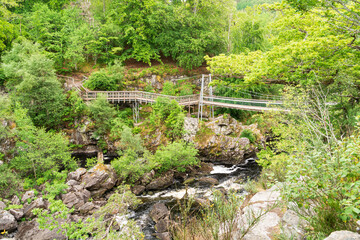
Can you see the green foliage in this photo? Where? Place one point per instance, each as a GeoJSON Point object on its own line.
{"type": "Point", "coordinates": [75, 107]}
{"type": "Point", "coordinates": [32, 74]}
{"type": "Point", "coordinates": [168, 89]}
{"type": "Point", "coordinates": [170, 114]}
{"type": "Point", "coordinates": [177, 155]}
{"type": "Point", "coordinates": [102, 112]}
{"type": "Point", "coordinates": [9, 181]}
{"type": "Point", "coordinates": [106, 80]}
{"type": "Point", "coordinates": [130, 142]}
{"type": "Point", "coordinates": [247, 133]}
{"type": "Point", "coordinates": [131, 167]}
{"type": "Point", "coordinates": [41, 151]}
{"type": "Point", "coordinates": [327, 181]}
{"type": "Point", "coordinates": [100, 81]}
{"type": "Point", "coordinates": [91, 162]}
{"type": "Point", "coordinates": [101, 225]}
{"type": "Point", "coordinates": [242, 4]}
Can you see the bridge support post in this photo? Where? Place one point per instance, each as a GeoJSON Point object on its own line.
{"type": "Point", "coordinates": [201, 99]}
{"type": "Point", "coordinates": [211, 99]}
{"type": "Point", "coordinates": [135, 111]}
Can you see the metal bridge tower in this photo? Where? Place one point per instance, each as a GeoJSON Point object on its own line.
{"type": "Point", "coordinates": [201, 99]}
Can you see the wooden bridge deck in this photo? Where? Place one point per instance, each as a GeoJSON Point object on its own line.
{"type": "Point", "coordinates": [224, 102]}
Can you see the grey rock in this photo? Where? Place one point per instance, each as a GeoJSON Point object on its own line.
{"type": "Point", "coordinates": [76, 199]}
{"type": "Point", "coordinates": [7, 221]}
{"type": "Point", "coordinates": [222, 142]}
{"type": "Point", "coordinates": [137, 189]}
{"type": "Point", "coordinates": [161, 182]}
{"type": "Point", "coordinates": [76, 175]}
{"type": "Point", "coordinates": [88, 208]}
{"type": "Point", "coordinates": [17, 213]}
{"type": "Point", "coordinates": [15, 200]}
{"type": "Point", "coordinates": [163, 236]}
{"type": "Point", "coordinates": [99, 179]}
{"type": "Point", "coordinates": [146, 179]}
{"type": "Point", "coordinates": [208, 181]}
{"type": "Point", "coordinates": [72, 182]}
{"type": "Point", "coordinates": [28, 195]}
{"type": "Point", "coordinates": [343, 235]}
{"type": "Point", "coordinates": [2, 205]}
{"type": "Point", "coordinates": [292, 225]}
{"type": "Point", "coordinates": [30, 231]}
{"type": "Point", "coordinates": [162, 225]}
{"type": "Point", "coordinates": [159, 211]}
{"type": "Point", "coordinates": [38, 203]}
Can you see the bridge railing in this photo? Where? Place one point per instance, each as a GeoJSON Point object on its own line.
{"type": "Point", "coordinates": [243, 101]}
{"type": "Point", "coordinates": [147, 97]}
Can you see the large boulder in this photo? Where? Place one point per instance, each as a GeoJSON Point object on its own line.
{"type": "Point", "coordinates": [31, 231]}
{"type": "Point", "coordinates": [76, 175]}
{"type": "Point", "coordinates": [161, 182]}
{"type": "Point", "coordinates": [38, 203]}
{"type": "Point", "coordinates": [343, 235]}
{"type": "Point", "coordinates": [219, 139]}
{"type": "Point", "coordinates": [7, 221]}
{"type": "Point", "coordinates": [28, 195]}
{"type": "Point", "coordinates": [159, 211]}
{"type": "Point", "coordinates": [76, 198]}
{"type": "Point", "coordinates": [99, 179]}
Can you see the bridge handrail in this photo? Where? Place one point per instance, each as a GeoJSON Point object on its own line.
{"type": "Point", "coordinates": [210, 98]}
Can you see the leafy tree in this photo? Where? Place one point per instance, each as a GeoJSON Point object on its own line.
{"type": "Point", "coordinates": [175, 155]}
{"type": "Point", "coordinates": [169, 114]}
{"type": "Point", "coordinates": [40, 152]}
{"type": "Point", "coordinates": [102, 113]}
{"type": "Point", "coordinates": [109, 79]}
{"type": "Point", "coordinates": [32, 75]}
{"type": "Point", "coordinates": [168, 89]}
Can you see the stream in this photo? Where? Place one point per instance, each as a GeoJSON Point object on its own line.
{"type": "Point", "coordinates": [230, 177]}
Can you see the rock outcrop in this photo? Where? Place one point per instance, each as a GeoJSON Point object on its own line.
{"type": "Point", "coordinates": [219, 140]}
{"type": "Point", "coordinates": [84, 185]}
{"type": "Point", "coordinates": [7, 221]}
{"type": "Point", "coordinates": [160, 214]}
{"type": "Point", "coordinates": [31, 231]}
{"type": "Point", "coordinates": [343, 235]}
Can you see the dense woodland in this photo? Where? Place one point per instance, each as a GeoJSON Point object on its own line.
{"type": "Point", "coordinates": [306, 53]}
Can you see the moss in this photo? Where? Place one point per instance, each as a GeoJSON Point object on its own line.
{"type": "Point", "coordinates": [204, 134]}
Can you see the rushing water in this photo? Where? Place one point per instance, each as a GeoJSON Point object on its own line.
{"type": "Point", "coordinates": [230, 177]}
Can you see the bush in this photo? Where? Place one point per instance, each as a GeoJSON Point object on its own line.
{"type": "Point", "coordinates": [176, 155]}
{"type": "Point", "coordinates": [170, 114]}
{"type": "Point", "coordinates": [327, 181]}
{"type": "Point", "coordinates": [9, 181]}
{"type": "Point", "coordinates": [100, 81]}
{"type": "Point", "coordinates": [107, 80]}
{"type": "Point", "coordinates": [247, 133]}
{"type": "Point", "coordinates": [42, 154]}
{"type": "Point", "coordinates": [130, 167]}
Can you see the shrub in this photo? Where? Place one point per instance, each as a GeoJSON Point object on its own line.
{"type": "Point", "coordinates": [109, 79]}
{"type": "Point", "coordinates": [170, 114]}
{"type": "Point", "coordinates": [130, 167]}
{"type": "Point", "coordinates": [100, 81]}
{"type": "Point", "coordinates": [176, 155]}
{"type": "Point", "coordinates": [247, 133]}
{"type": "Point", "coordinates": [42, 152]}
{"type": "Point", "coordinates": [9, 181]}
{"type": "Point", "coordinates": [326, 181]}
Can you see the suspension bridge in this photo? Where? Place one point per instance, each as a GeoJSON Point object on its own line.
{"type": "Point", "coordinates": [200, 100]}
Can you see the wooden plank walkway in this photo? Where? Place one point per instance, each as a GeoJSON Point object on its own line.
{"type": "Point", "coordinates": [224, 102]}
